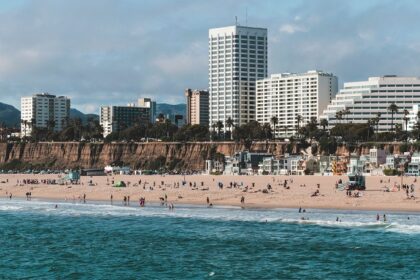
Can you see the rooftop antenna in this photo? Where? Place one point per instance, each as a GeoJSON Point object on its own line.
{"type": "Point", "coordinates": [236, 20]}
{"type": "Point", "coordinates": [246, 16]}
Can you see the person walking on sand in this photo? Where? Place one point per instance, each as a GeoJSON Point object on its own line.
{"type": "Point", "coordinates": [111, 198]}
{"type": "Point", "coordinates": [84, 198]}
{"type": "Point", "coordinates": [208, 200]}
{"type": "Point", "coordinates": [242, 200]}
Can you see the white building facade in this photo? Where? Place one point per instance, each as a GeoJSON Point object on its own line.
{"type": "Point", "coordinates": [288, 95]}
{"type": "Point", "coordinates": [237, 59]}
{"type": "Point", "coordinates": [44, 111]}
{"type": "Point", "coordinates": [364, 100]}
{"type": "Point", "coordinates": [413, 118]}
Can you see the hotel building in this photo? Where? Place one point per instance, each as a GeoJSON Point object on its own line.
{"type": "Point", "coordinates": [288, 95]}
{"type": "Point", "coordinates": [364, 100]}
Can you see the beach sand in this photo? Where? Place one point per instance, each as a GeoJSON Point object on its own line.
{"type": "Point", "coordinates": [152, 189]}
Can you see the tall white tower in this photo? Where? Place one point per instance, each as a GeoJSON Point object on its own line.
{"type": "Point", "coordinates": [237, 59]}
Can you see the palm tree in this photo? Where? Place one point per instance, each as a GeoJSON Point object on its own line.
{"type": "Point", "coordinates": [167, 125]}
{"type": "Point", "coordinates": [406, 119]}
{"type": "Point", "coordinates": [298, 120]}
{"type": "Point", "coordinates": [324, 124]}
{"type": "Point", "coordinates": [339, 115]}
{"type": "Point", "coordinates": [219, 125]}
{"type": "Point", "coordinates": [267, 130]}
{"type": "Point", "coordinates": [346, 112]}
{"type": "Point", "coordinates": [25, 124]}
{"type": "Point", "coordinates": [274, 121]}
{"type": "Point", "coordinates": [377, 120]}
{"type": "Point", "coordinates": [229, 124]}
{"type": "Point", "coordinates": [286, 127]}
{"type": "Point", "coordinates": [393, 109]}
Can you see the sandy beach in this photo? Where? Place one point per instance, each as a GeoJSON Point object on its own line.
{"type": "Point", "coordinates": [198, 188]}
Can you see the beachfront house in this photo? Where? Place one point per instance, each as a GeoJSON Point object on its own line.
{"type": "Point", "coordinates": [377, 157]}
{"type": "Point", "coordinates": [391, 161]}
{"type": "Point", "coordinates": [414, 166]}
{"type": "Point", "coordinates": [356, 165]}
{"type": "Point", "coordinates": [214, 167]}
{"type": "Point", "coordinates": [244, 162]}
{"type": "Point", "coordinates": [272, 166]}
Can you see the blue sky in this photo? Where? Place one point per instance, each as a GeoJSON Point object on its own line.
{"type": "Point", "coordinates": [102, 52]}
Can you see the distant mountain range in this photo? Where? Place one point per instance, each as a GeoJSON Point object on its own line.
{"type": "Point", "coordinates": [11, 116]}
{"type": "Point", "coordinates": [171, 109]}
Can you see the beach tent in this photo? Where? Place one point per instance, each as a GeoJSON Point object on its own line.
{"type": "Point", "coordinates": [119, 184]}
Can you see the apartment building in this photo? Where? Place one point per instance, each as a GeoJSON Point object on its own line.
{"type": "Point", "coordinates": [287, 95]}
{"type": "Point", "coordinates": [44, 110]}
{"type": "Point", "coordinates": [237, 59]}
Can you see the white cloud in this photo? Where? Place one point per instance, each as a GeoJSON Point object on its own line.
{"type": "Point", "coordinates": [291, 28]}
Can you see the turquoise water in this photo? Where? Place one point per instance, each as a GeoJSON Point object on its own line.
{"type": "Point", "coordinates": [97, 241]}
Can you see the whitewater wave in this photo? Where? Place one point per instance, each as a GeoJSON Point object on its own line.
{"type": "Point", "coordinates": [358, 220]}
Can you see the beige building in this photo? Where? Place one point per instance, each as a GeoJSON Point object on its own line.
{"type": "Point", "coordinates": [197, 106]}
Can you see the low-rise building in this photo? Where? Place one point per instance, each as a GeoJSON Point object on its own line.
{"type": "Point", "coordinates": [377, 157]}
{"type": "Point", "coordinates": [244, 162]}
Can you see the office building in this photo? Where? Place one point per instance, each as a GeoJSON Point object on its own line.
{"type": "Point", "coordinates": [237, 59]}
{"type": "Point", "coordinates": [148, 103]}
{"type": "Point", "coordinates": [197, 107]}
{"type": "Point", "coordinates": [362, 101]}
{"type": "Point", "coordinates": [44, 111]}
{"type": "Point", "coordinates": [286, 96]}
{"type": "Point", "coordinates": [117, 118]}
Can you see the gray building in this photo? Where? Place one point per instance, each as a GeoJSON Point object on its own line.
{"type": "Point", "coordinates": [117, 118]}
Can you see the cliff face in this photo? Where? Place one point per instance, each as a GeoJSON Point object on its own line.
{"type": "Point", "coordinates": [137, 155]}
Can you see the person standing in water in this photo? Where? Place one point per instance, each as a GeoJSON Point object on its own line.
{"type": "Point", "coordinates": [384, 218]}
{"type": "Point", "coordinates": [377, 217]}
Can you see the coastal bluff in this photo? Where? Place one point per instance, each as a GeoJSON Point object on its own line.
{"type": "Point", "coordinates": [188, 155]}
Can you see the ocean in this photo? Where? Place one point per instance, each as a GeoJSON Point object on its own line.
{"type": "Point", "coordinates": [101, 241]}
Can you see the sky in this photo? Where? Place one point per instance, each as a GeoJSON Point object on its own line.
{"type": "Point", "coordinates": [103, 52]}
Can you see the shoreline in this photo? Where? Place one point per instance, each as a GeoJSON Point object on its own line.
{"type": "Point", "coordinates": [197, 188]}
{"type": "Point", "coordinates": [257, 207]}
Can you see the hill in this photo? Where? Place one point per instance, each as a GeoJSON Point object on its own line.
{"type": "Point", "coordinates": [171, 109]}
{"type": "Point", "coordinates": [9, 115]}
{"type": "Point", "coordinates": [74, 113]}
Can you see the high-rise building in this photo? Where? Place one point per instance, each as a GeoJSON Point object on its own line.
{"type": "Point", "coordinates": [237, 59]}
{"type": "Point", "coordinates": [286, 96]}
{"type": "Point", "coordinates": [359, 102]}
{"type": "Point", "coordinates": [197, 107]}
{"type": "Point", "coordinates": [148, 103]}
{"type": "Point", "coordinates": [117, 118]}
{"type": "Point", "coordinates": [44, 111]}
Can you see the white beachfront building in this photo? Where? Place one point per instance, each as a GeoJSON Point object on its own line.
{"type": "Point", "coordinates": [237, 59]}
{"type": "Point", "coordinates": [288, 95]}
{"type": "Point", "coordinates": [364, 100]}
{"type": "Point", "coordinates": [44, 110]}
{"type": "Point", "coordinates": [413, 118]}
